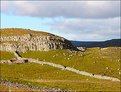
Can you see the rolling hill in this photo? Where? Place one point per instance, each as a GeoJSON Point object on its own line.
{"type": "Point", "coordinates": [90, 44]}
{"type": "Point", "coordinates": [99, 58]}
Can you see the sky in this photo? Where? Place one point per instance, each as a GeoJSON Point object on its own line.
{"type": "Point", "coordinates": [74, 20]}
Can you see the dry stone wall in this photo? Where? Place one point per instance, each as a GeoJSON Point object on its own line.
{"type": "Point", "coordinates": [33, 42]}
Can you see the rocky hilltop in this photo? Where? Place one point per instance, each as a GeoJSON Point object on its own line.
{"type": "Point", "coordinates": [21, 40]}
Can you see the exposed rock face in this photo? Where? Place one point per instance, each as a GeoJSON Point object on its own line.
{"type": "Point", "coordinates": [32, 42]}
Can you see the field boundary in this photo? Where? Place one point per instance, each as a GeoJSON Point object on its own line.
{"type": "Point", "coordinates": [73, 70]}
{"type": "Point", "coordinates": [65, 68]}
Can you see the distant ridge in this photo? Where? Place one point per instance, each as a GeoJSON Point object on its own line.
{"type": "Point", "coordinates": [90, 44]}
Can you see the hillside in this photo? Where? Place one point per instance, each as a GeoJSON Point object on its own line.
{"type": "Point", "coordinates": [20, 32]}
{"type": "Point", "coordinates": [90, 44]}
{"type": "Point", "coordinates": [94, 60]}
{"type": "Point", "coordinates": [21, 40]}
{"type": "Point", "coordinates": [39, 61]}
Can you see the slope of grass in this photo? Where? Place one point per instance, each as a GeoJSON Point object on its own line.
{"type": "Point", "coordinates": [6, 55]}
{"type": "Point", "coordinates": [104, 62]}
{"type": "Point", "coordinates": [20, 32]}
{"type": "Point", "coordinates": [47, 76]}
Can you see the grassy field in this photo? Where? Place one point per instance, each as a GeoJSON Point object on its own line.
{"type": "Point", "coordinates": [94, 60]}
{"type": "Point", "coordinates": [47, 76]}
{"type": "Point", "coordinates": [6, 55]}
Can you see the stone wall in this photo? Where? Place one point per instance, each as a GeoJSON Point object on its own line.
{"type": "Point", "coordinates": [33, 43]}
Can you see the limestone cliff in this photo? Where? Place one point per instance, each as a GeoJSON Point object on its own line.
{"type": "Point", "coordinates": [23, 40]}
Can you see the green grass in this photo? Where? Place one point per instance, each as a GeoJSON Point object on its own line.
{"type": "Point", "coordinates": [6, 55]}
{"type": "Point", "coordinates": [93, 60]}
{"type": "Point", "coordinates": [20, 32]}
{"type": "Point", "coordinates": [47, 76]}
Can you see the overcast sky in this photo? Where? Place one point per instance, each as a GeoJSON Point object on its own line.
{"type": "Point", "coordinates": [74, 20]}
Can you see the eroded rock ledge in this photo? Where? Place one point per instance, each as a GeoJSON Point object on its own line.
{"type": "Point", "coordinates": [33, 42]}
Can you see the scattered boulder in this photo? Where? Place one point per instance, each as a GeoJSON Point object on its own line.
{"type": "Point", "coordinates": [83, 49]}
{"type": "Point", "coordinates": [104, 48]}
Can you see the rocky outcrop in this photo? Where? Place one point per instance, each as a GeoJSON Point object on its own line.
{"type": "Point", "coordinates": [33, 42]}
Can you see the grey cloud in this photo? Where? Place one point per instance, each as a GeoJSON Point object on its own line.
{"type": "Point", "coordinates": [73, 9]}
{"type": "Point", "coordinates": [87, 29]}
